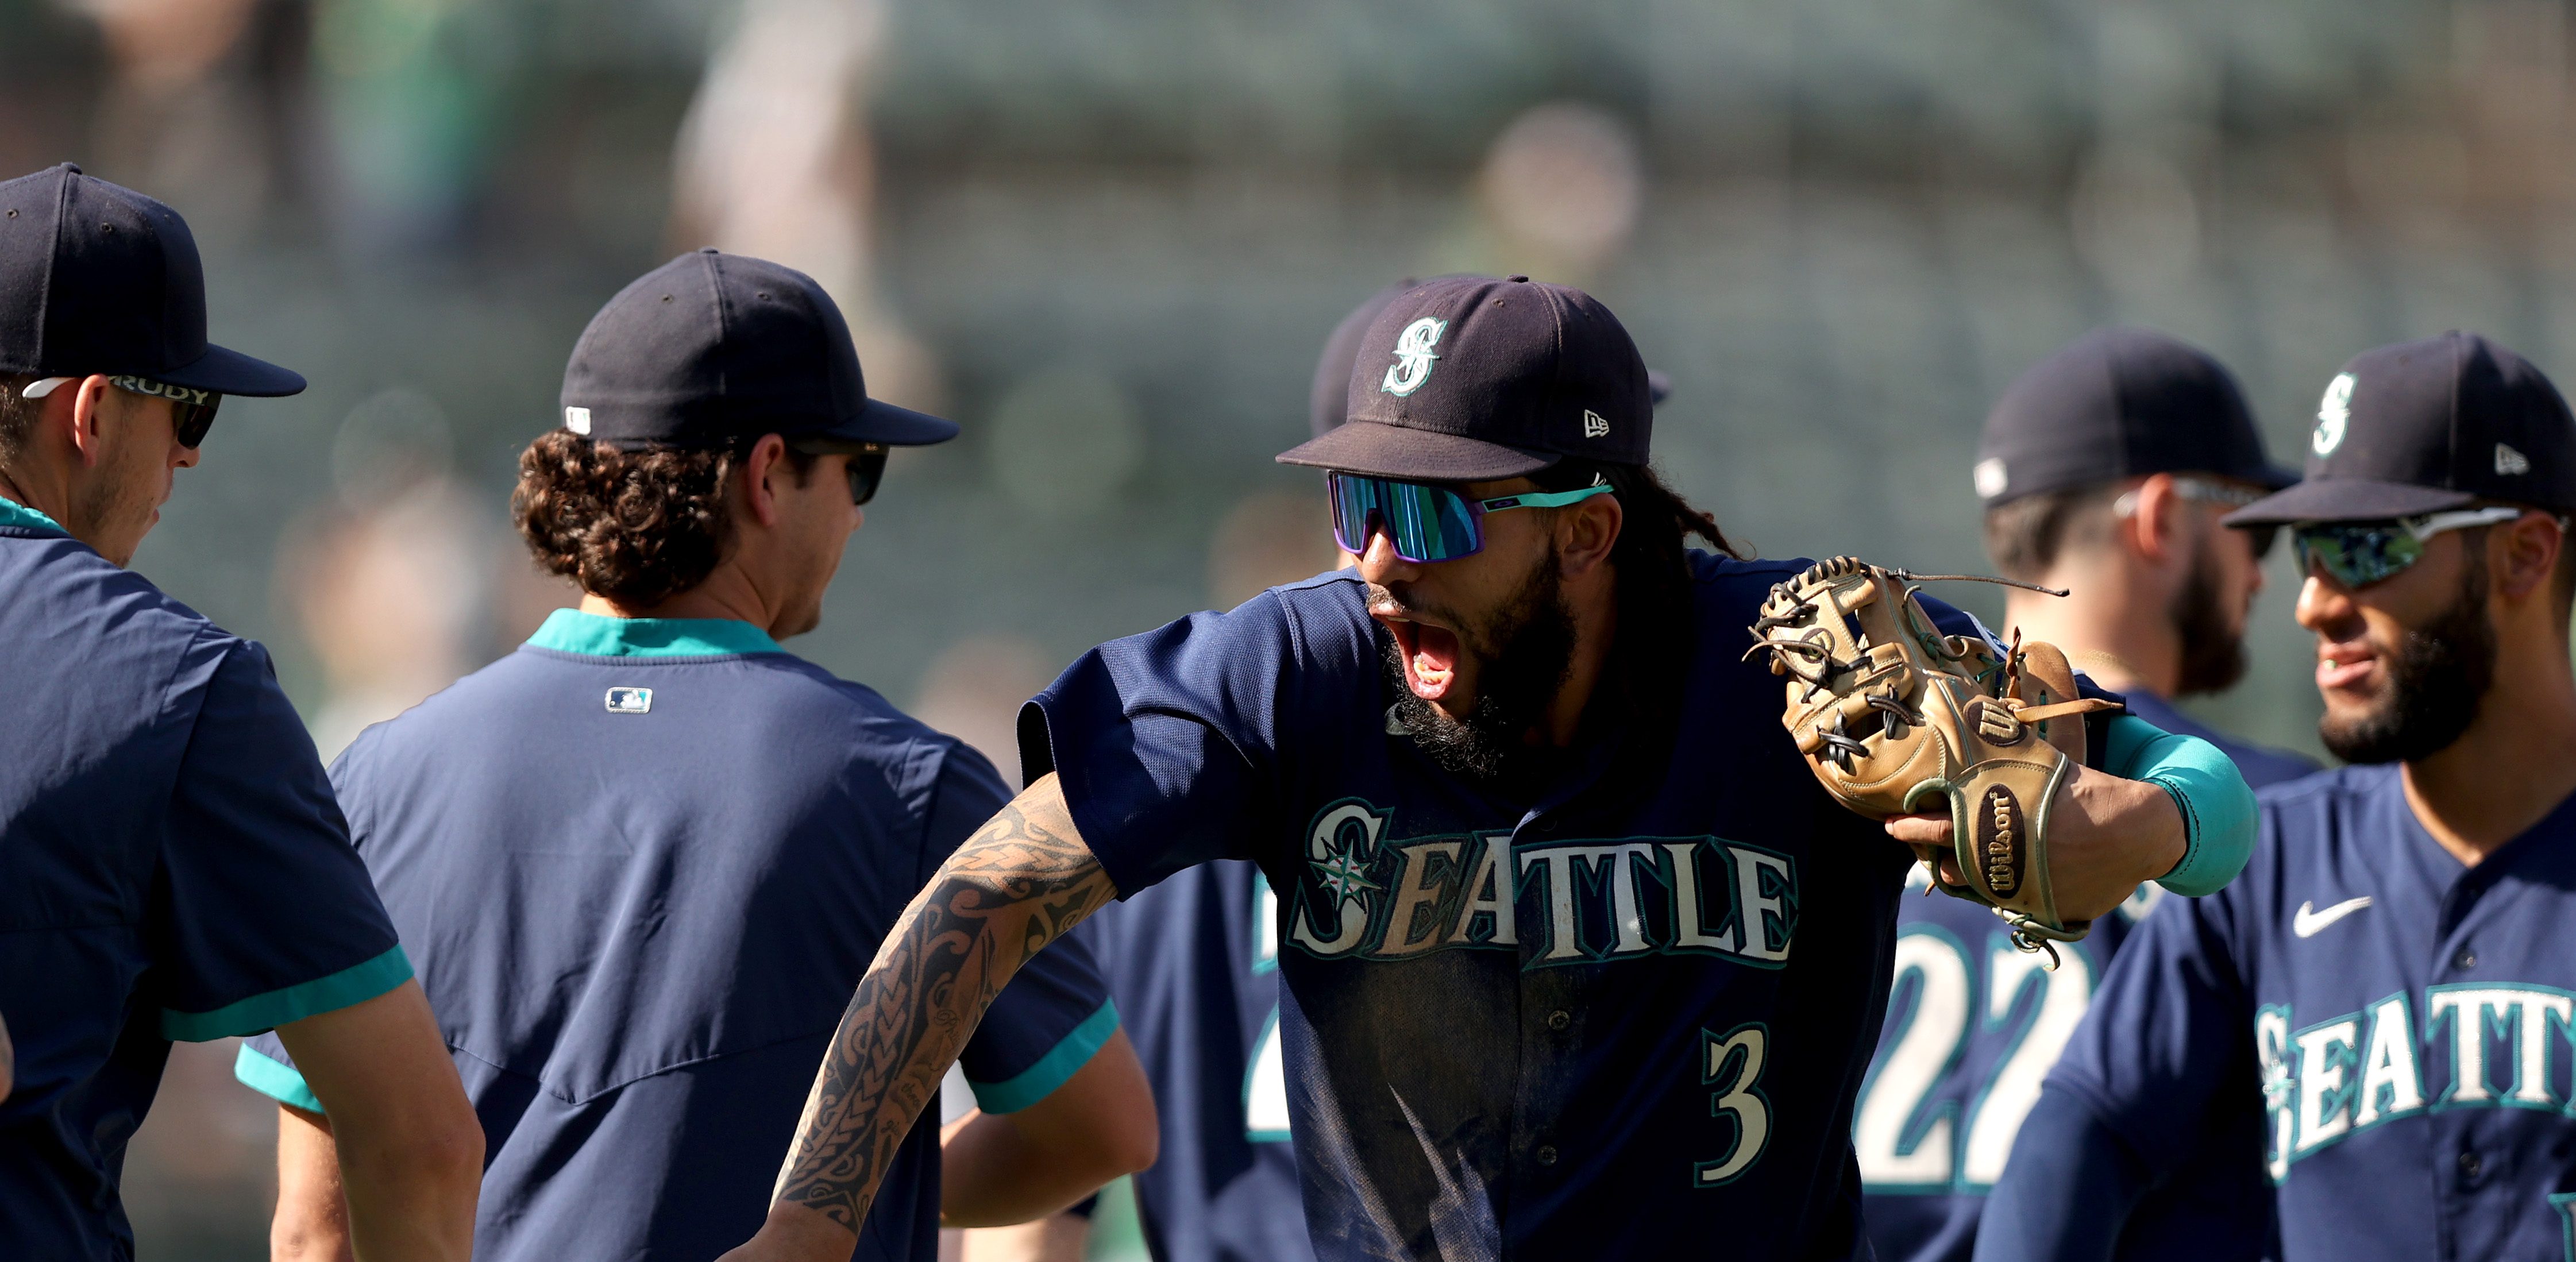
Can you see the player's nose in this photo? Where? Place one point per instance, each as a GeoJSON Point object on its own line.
{"type": "Point", "coordinates": [2325, 606]}
{"type": "Point", "coordinates": [1380, 565]}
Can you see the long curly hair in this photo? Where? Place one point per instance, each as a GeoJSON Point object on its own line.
{"type": "Point", "coordinates": [637, 527]}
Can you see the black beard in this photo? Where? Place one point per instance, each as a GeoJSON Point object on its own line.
{"type": "Point", "coordinates": [1524, 655]}
{"type": "Point", "coordinates": [2435, 684]}
{"type": "Point", "coordinates": [2213, 657]}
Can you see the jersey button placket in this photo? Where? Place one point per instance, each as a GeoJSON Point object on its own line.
{"type": "Point", "coordinates": [1546, 1154]}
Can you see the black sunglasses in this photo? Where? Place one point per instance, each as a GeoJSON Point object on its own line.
{"type": "Point", "coordinates": [193, 410]}
{"type": "Point", "coordinates": [867, 462]}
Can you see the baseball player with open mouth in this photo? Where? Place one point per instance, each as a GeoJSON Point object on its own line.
{"type": "Point", "coordinates": [1576, 958]}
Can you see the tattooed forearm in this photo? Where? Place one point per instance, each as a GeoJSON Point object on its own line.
{"type": "Point", "coordinates": [1015, 886]}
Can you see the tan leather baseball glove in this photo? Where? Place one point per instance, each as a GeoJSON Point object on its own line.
{"type": "Point", "coordinates": [1895, 717]}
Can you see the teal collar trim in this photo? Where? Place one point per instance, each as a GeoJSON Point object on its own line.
{"type": "Point", "coordinates": [590, 634]}
{"type": "Point", "coordinates": [13, 513]}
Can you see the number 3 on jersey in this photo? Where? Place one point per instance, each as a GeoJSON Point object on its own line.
{"type": "Point", "coordinates": [1731, 1062]}
{"type": "Point", "coordinates": [1903, 1146]}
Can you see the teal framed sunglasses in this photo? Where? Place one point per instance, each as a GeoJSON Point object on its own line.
{"type": "Point", "coordinates": [1426, 523]}
{"type": "Point", "coordinates": [2360, 553]}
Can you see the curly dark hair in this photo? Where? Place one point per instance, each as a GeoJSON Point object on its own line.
{"type": "Point", "coordinates": [637, 527]}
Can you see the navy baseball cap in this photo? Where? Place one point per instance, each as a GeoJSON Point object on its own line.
{"type": "Point", "coordinates": [2119, 403]}
{"type": "Point", "coordinates": [2420, 427]}
{"type": "Point", "coordinates": [95, 278]}
{"type": "Point", "coordinates": [1469, 378]}
{"type": "Point", "coordinates": [1328, 400]}
{"type": "Point", "coordinates": [712, 349]}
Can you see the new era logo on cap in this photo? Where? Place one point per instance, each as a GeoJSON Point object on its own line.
{"type": "Point", "coordinates": [577, 420]}
{"type": "Point", "coordinates": [1595, 425]}
{"type": "Point", "coordinates": [2510, 462]}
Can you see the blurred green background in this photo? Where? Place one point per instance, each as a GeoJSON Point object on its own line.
{"type": "Point", "coordinates": [1109, 236]}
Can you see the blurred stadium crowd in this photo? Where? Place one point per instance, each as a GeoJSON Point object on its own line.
{"type": "Point", "coordinates": [1110, 236]}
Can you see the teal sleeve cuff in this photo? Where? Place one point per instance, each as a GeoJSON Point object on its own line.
{"type": "Point", "coordinates": [261, 1013]}
{"type": "Point", "coordinates": [278, 1082]}
{"type": "Point", "coordinates": [2217, 807]}
{"type": "Point", "coordinates": [1040, 1080]}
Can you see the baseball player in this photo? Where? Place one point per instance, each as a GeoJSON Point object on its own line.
{"type": "Point", "coordinates": [644, 857]}
{"type": "Point", "coordinates": [1576, 958]}
{"type": "Point", "coordinates": [2385, 995]}
{"type": "Point", "coordinates": [2104, 470]}
{"type": "Point", "coordinates": [172, 865]}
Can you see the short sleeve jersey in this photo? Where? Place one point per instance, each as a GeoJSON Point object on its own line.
{"type": "Point", "coordinates": [2395, 1024]}
{"type": "Point", "coordinates": [1973, 1027]}
{"type": "Point", "coordinates": [1621, 1016]}
{"type": "Point", "coordinates": [172, 866]}
{"type": "Point", "coordinates": [1194, 963]}
{"type": "Point", "coordinates": [643, 865]}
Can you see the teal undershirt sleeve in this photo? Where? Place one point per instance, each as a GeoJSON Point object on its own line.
{"type": "Point", "coordinates": [2217, 807]}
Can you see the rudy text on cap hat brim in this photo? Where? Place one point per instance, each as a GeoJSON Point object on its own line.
{"type": "Point", "coordinates": [1391, 451]}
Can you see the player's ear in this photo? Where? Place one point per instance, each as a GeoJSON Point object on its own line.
{"type": "Point", "coordinates": [79, 406]}
{"type": "Point", "coordinates": [2154, 522]}
{"type": "Point", "coordinates": [2523, 555]}
{"type": "Point", "coordinates": [763, 472]}
{"type": "Point", "coordinates": [1587, 531]}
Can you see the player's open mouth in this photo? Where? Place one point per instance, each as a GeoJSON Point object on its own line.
{"type": "Point", "coordinates": [1430, 654]}
{"type": "Point", "coordinates": [2344, 666]}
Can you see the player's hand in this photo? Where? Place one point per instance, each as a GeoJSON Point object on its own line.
{"type": "Point", "coordinates": [794, 1233]}
{"type": "Point", "coordinates": [2106, 836]}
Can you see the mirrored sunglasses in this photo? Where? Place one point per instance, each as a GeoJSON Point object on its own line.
{"type": "Point", "coordinates": [1425, 523]}
{"type": "Point", "coordinates": [2360, 553]}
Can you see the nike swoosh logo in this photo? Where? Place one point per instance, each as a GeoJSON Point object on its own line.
{"type": "Point", "coordinates": [2309, 920]}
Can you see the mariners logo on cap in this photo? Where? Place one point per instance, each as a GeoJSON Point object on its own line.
{"type": "Point", "coordinates": [1413, 356]}
{"type": "Point", "coordinates": [2333, 412]}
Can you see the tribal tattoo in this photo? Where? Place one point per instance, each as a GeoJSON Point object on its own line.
{"type": "Point", "coordinates": [1018, 884]}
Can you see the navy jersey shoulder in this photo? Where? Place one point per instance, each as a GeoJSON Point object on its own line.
{"type": "Point", "coordinates": [1606, 1009]}
{"type": "Point", "coordinates": [172, 866]}
{"type": "Point", "coordinates": [640, 891]}
{"type": "Point", "coordinates": [2393, 1019]}
{"type": "Point", "coordinates": [1194, 963]}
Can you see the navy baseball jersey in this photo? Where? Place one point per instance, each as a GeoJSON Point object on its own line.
{"type": "Point", "coordinates": [1194, 963]}
{"type": "Point", "coordinates": [1973, 1027]}
{"type": "Point", "coordinates": [2386, 1027]}
{"type": "Point", "coordinates": [1622, 1013]}
{"type": "Point", "coordinates": [643, 864]}
{"type": "Point", "coordinates": [172, 866]}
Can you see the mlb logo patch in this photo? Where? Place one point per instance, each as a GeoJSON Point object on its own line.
{"type": "Point", "coordinates": [630, 701]}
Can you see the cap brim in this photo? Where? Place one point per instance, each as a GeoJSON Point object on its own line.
{"type": "Point", "coordinates": [231, 372]}
{"type": "Point", "coordinates": [1659, 387]}
{"type": "Point", "coordinates": [1392, 451]}
{"type": "Point", "coordinates": [2346, 499]}
{"type": "Point", "coordinates": [883, 422]}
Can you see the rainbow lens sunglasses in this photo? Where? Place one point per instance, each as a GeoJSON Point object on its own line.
{"type": "Point", "coordinates": [1426, 523]}
{"type": "Point", "coordinates": [193, 410]}
{"type": "Point", "coordinates": [2360, 553]}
